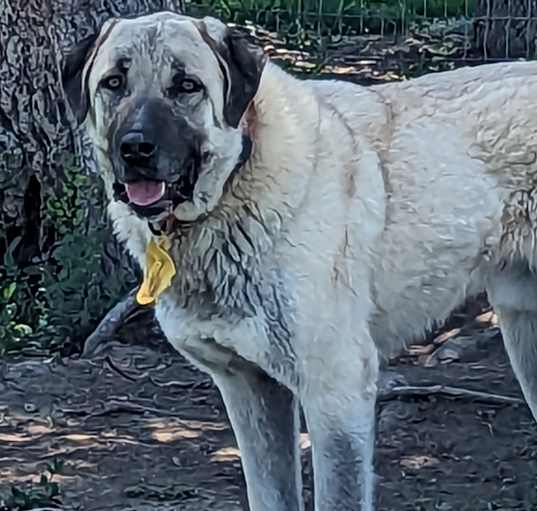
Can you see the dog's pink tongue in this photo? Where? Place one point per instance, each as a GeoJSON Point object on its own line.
{"type": "Point", "coordinates": [143, 193]}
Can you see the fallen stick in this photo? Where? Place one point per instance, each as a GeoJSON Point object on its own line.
{"type": "Point", "coordinates": [410, 391]}
{"type": "Point", "coordinates": [112, 406]}
{"type": "Point", "coordinates": [122, 373]}
{"type": "Point", "coordinates": [109, 325]}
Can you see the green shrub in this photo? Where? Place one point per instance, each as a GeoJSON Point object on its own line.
{"type": "Point", "coordinates": [12, 333]}
{"type": "Point", "coordinates": [56, 301]}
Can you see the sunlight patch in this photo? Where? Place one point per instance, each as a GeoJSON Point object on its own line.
{"type": "Point", "coordinates": [226, 454]}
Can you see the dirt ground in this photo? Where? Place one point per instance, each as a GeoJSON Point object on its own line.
{"type": "Point", "coordinates": [139, 429]}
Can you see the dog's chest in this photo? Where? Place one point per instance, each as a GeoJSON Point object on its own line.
{"type": "Point", "coordinates": [222, 305]}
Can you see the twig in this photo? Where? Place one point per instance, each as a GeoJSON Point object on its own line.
{"type": "Point", "coordinates": [115, 406]}
{"type": "Point", "coordinates": [122, 373]}
{"type": "Point", "coordinates": [118, 406]}
{"type": "Point", "coordinates": [111, 323]}
{"type": "Point", "coordinates": [188, 385]}
{"type": "Point", "coordinates": [112, 406]}
{"type": "Point", "coordinates": [410, 391]}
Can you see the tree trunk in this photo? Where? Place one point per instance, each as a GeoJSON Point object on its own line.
{"type": "Point", "coordinates": [506, 29]}
{"type": "Point", "coordinates": [43, 199]}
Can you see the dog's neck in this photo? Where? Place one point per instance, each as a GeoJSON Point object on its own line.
{"type": "Point", "coordinates": [218, 261]}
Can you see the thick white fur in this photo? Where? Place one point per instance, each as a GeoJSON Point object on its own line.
{"type": "Point", "coordinates": [384, 208]}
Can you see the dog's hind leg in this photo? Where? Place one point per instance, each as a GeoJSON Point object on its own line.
{"type": "Point", "coordinates": [338, 399]}
{"type": "Point", "coordinates": [265, 420]}
{"type": "Point", "coordinates": [513, 294]}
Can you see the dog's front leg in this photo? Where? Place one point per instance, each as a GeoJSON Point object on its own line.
{"type": "Point", "coordinates": [264, 416]}
{"type": "Point", "coordinates": [338, 398]}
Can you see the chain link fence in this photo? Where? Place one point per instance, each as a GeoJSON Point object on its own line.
{"type": "Point", "coordinates": [369, 40]}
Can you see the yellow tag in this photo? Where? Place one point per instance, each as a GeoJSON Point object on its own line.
{"type": "Point", "coordinates": [158, 272]}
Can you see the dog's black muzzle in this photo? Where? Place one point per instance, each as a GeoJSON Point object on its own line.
{"type": "Point", "coordinates": [157, 159]}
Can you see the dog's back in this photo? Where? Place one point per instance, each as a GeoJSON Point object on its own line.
{"type": "Point", "coordinates": [458, 153]}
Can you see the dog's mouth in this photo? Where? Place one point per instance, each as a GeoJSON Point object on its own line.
{"type": "Point", "coordinates": [145, 193]}
{"type": "Point", "coordinates": [152, 199]}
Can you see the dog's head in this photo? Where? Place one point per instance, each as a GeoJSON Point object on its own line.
{"type": "Point", "coordinates": [163, 97]}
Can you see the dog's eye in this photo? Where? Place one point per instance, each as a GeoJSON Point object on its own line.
{"type": "Point", "coordinates": [112, 82]}
{"type": "Point", "coordinates": [184, 86]}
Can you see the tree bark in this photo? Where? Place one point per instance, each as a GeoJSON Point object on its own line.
{"type": "Point", "coordinates": [38, 143]}
{"type": "Point", "coordinates": [506, 29]}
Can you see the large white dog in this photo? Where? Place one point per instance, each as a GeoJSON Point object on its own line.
{"type": "Point", "coordinates": [291, 231]}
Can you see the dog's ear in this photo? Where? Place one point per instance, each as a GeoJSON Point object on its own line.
{"type": "Point", "coordinates": [76, 70]}
{"type": "Point", "coordinates": [245, 62]}
{"type": "Point", "coordinates": [76, 91]}
{"type": "Point", "coordinates": [242, 63]}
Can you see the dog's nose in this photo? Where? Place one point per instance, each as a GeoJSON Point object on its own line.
{"type": "Point", "coordinates": [136, 149]}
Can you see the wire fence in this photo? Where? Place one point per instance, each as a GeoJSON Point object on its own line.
{"type": "Point", "coordinates": [447, 30]}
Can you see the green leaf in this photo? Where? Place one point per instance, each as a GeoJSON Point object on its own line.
{"type": "Point", "coordinates": [53, 490]}
{"type": "Point", "coordinates": [9, 290]}
{"type": "Point", "coordinates": [23, 329]}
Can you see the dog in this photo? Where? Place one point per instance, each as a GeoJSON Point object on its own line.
{"type": "Point", "coordinates": [293, 232]}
